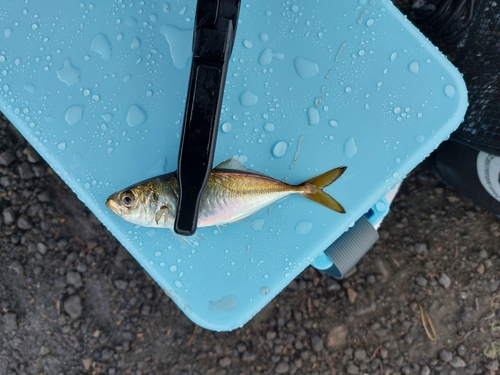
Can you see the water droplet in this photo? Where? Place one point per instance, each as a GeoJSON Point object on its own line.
{"type": "Point", "coordinates": [86, 92]}
{"type": "Point", "coordinates": [269, 127]}
{"type": "Point", "coordinates": [397, 110]}
{"type": "Point", "coordinates": [158, 254]}
{"type": "Point", "coordinates": [449, 90]}
{"type": "Point", "coordinates": [267, 55]}
{"type": "Point", "coordinates": [333, 123]}
{"type": "Point", "coordinates": [295, 8]}
{"type": "Point", "coordinates": [74, 114]}
{"type": "Point", "coordinates": [180, 41]}
{"type": "Point", "coordinates": [419, 115]}
{"type": "Point", "coordinates": [151, 233]}
{"type": "Point", "coordinates": [119, 37]}
{"type": "Point", "coordinates": [178, 284]}
{"type": "Point", "coordinates": [370, 22]}
{"type": "Point", "coordinates": [313, 116]}
{"type": "Point", "coordinates": [258, 224]}
{"type": "Point", "coordinates": [394, 56]}
{"type": "Point", "coordinates": [264, 37]}
{"type": "Point", "coordinates": [305, 68]}
{"type": "Point", "coordinates": [62, 146]}
{"type": "Point", "coordinates": [68, 74]}
{"type": "Point", "coordinates": [127, 78]}
{"type": "Point", "coordinates": [225, 304]}
{"type": "Point", "coordinates": [264, 290]}
{"type": "Point", "coordinates": [130, 21]}
{"type": "Point", "coordinates": [350, 147]}
{"type": "Point", "coordinates": [348, 89]}
{"type": "Point", "coordinates": [279, 149]}
{"type": "Point", "coordinates": [248, 98]}
{"type": "Point", "coordinates": [34, 26]}
{"type": "Point", "coordinates": [397, 160]}
{"type": "Point", "coordinates": [136, 116]}
{"type": "Point", "coordinates": [414, 67]}
{"type": "Point", "coordinates": [30, 88]}
{"type": "Point", "coordinates": [303, 227]}
{"type": "Point", "coordinates": [247, 43]}
{"type": "Point", "coordinates": [419, 138]}
{"type": "Point", "coordinates": [166, 8]}
{"type": "Point", "coordinates": [173, 268]}
{"type": "Point", "coordinates": [361, 52]}
{"type": "Point", "coordinates": [102, 46]}
{"type": "Point", "coordinates": [7, 32]}
{"type": "Point", "coordinates": [136, 43]}
{"type": "Point", "coordinates": [226, 127]}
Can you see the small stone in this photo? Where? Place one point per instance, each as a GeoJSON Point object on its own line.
{"type": "Point", "coordinates": [352, 369]}
{"type": "Point", "coordinates": [248, 357]}
{"type": "Point", "coordinates": [121, 284]}
{"type": "Point", "coordinates": [384, 353]}
{"type": "Point", "coordinates": [444, 280]}
{"type": "Point", "coordinates": [8, 216]}
{"type": "Point", "coordinates": [87, 362]}
{"type": "Point", "coordinates": [10, 322]}
{"type": "Point", "coordinates": [483, 254]}
{"type": "Point", "coordinates": [445, 355]}
{"type": "Point", "coordinates": [420, 248]}
{"type": "Point", "coordinates": [408, 338]}
{"type": "Point", "coordinates": [24, 223]}
{"type": "Point", "coordinates": [74, 278]}
{"type": "Point", "coordinates": [42, 248]}
{"type": "Point", "coordinates": [31, 154]}
{"type": "Point", "coordinates": [480, 269]}
{"type": "Point", "coordinates": [453, 199]}
{"type": "Point", "coordinates": [360, 354]}
{"type": "Point", "coordinates": [146, 309]}
{"type": "Point", "coordinates": [73, 306]}
{"type": "Point", "coordinates": [44, 197]}
{"type": "Point", "coordinates": [282, 367]}
{"type": "Point", "coordinates": [107, 354]}
{"type": "Point", "coordinates": [492, 365]}
{"type": "Point", "coordinates": [457, 362]}
{"type": "Point", "coordinates": [461, 350]}
{"type": "Point", "coordinates": [7, 157]}
{"type": "Point", "coordinates": [225, 362]}
{"type": "Point", "coordinates": [17, 267]}
{"type": "Point", "coordinates": [425, 370]}
{"type": "Point", "coordinates": [337, 337]}
{"type": "Point", "coordinates": [351, 295]}
{"type": "Point", "coordinates": [44, 350]}
{"type": "Point", "coordinates": [317, 343]}
{"type": "Point", "coordinates": [25, 171]}
{"type": "Point", "coordinates": [420, 280]}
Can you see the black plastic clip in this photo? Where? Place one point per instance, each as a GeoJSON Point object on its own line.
{"type": "Point", "coordinates": [215, 29]}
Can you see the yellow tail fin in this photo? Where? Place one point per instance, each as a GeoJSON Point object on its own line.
{"type": "Point", "coordinates": [318, 183]}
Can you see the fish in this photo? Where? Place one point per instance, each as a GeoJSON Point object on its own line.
{"type": "Point", "coordinates": [233, 192]}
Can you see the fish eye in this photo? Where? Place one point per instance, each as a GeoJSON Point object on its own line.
{"type": "Point", "coordinates": [127, 198]}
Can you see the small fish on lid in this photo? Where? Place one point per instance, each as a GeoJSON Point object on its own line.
{"type": "Point", "coordinates": [232, 193]}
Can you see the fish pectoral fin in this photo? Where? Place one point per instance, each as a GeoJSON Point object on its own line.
{"type": "Point", "coordinates": [161, 213]}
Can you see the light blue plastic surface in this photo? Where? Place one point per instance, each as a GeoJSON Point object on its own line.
{"type": "Point", "coordinates": [98, 89]}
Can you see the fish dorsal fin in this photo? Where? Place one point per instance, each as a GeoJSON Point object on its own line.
{"type": "Point", "coordinates": [233, 164]}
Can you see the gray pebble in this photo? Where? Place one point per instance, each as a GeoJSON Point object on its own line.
{"type": "Point", "coordinates": [420, 248]}
{"type": "Point", "coordinates": [445, 355]}
{"type": "Point", "coordinates": [483, 254]}
{"type": "Point", "coordinates": [31, 155]}
{"type": "Point", "coordinates": [8, 216]}
{"type": "Point", "coordinates": [461, 350]}
{"type": "Point", "coordinates": [282, 367]}
{"type": "Point", "coordinates": [352, 369]}
{"type": "Point", "coordinates": [9, 322]}
{"type": "Point", "coordinates": [457, 362]}
{"type": "Point", "coordinates": [317, 343]}
{"type": "Point", "coordinates": [107, 354]}
{"type": "Point", "coordinates": [17, 267]}
{"type": "Point", "coordinates": [25, 171]}
{"type": "Point", "coordinates": [74, 278]}
{"type": "Point", "coordinates": [444, 280]}
{"type": "Point", "coordinates": [121, 284]}
{"type": "Point", "coordinates": [224, 362]}
{"type": "Point", "coordinates": [24, 223]}
{"type": "Point", "coordinates": [42, 248]}
{"type": "Point", "coordinates": [494, 286]}
{"type": "Point", "coordinates": [408, 338]}
{"type": "Point", "coordinates": [420, 280]}
{"type": "Point", "coordinates": [44, 197]}
{"type": "Point", "coordinates": [492, 365]}
{"type": "Point", "coordinates": [44, 350]}
{"type": "Point", "coordinates": [360, 354]}
{"type": "Point", "coordinates": [425, 370]}
{"type": "Point", "coordinates": [146, 309]}
{"type": "Point", "coordinates": [471, 369]}
{"type": "Point", "coordinates": [248, 357]}
{"type": "Point", "coordinates": [73, 306]}
{"type": "Point", "coordinates": [7, 157]}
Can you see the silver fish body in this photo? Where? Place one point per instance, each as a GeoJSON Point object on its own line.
{"type": "Point", "coordinates": [232, 193]}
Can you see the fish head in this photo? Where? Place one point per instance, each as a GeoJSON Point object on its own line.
{"type": "Point", "coordinates": [149, 203]}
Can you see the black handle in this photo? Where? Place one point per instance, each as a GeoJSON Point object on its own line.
{"type": "Point", "coordinates": [215, 29]}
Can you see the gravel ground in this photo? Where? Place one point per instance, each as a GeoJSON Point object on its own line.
{"type": "Point", "coordinates": [73, 301]}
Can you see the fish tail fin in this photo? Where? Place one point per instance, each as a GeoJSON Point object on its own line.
{"type": "Point", "coordinates": [314, 189]}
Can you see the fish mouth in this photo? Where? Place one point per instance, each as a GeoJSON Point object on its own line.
{"type": "Point", "coordinates": [113, 205]}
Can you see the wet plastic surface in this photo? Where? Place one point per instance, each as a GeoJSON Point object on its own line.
{"type": "Point", "coordinates": [99, 90]}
